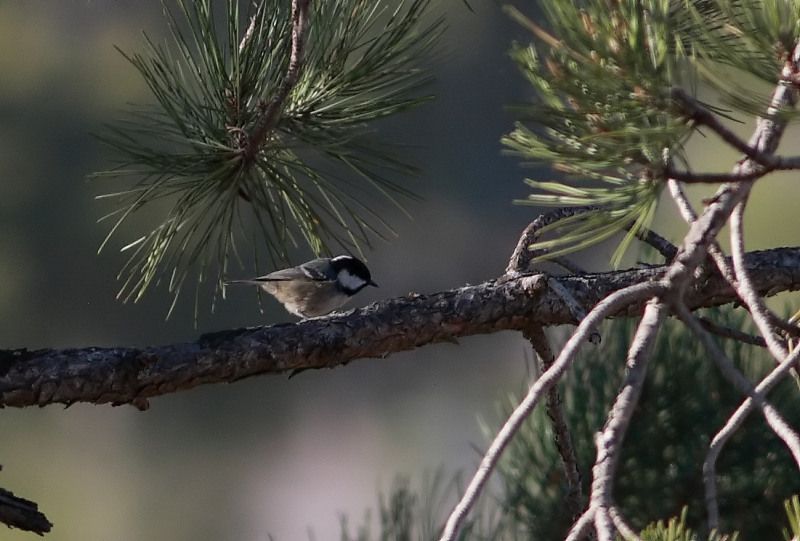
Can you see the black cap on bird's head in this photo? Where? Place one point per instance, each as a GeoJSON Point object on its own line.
{"type": "Point", "coordinates": [352, 274]}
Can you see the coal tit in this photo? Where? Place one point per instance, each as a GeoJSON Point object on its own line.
{"type": "Point", "coordinates": [316, 287]}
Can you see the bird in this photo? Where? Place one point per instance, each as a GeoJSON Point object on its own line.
{"type": "Point", "coordinates": [316, 287]}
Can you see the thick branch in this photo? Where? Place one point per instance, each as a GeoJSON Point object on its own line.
{"type": "Point", "coordinates": [131, 375]}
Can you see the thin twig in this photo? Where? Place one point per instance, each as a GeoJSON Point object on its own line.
{"type": "Point", "coordinates": [730, 428]}
{"type": "Point", "coordinates": [690, 216]}
{"type": "Point", "coordinates": [700, 114]}
{"type": "Point", "coordinates": [604, 526]}
{"type": "Point", "coordinates": [609, 305]}
{"type": "Point", "coordinates": [742, 384]}
{"type": "Point", "coordinates": [568, 265]}
{"type": "Point", "coordinates": [555, 412]}
{"type": "Point", "coordinates": [16, 512]}
{"type": "Point", "coordinates": [714, 178]}
{"type": "Point", "coordinates": [728, 332]}
{"type": "Point", "coordinates": [754, 302]}
{"type": "Point", "coordinates": [664, 247]}
{"type": "Point", "coordinates": [580, 527]}
{"type": "Point", "coordinates": [574, 307]}
{"type": "Point", "coordinates": [268, 119]}
{"type": "Point", "coordinates": [622, 526]}
{"type": "Point", "coordinates": [681, 201]}
{"type": "Point", "coordinates": [609, 441]}
{"type": "Point", "coordinates": [522, 255]}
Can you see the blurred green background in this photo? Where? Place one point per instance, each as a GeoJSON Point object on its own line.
{"type": "Point", "coordinates": [266, 456]}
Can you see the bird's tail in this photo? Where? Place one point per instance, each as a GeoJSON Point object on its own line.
{"type": "Point", "coordinates": [244, 282]}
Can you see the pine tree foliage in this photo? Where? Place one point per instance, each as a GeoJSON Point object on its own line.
{"type": "Point", "coordinates": [662, 458]}
{"type": "Point", "coordinates": [602, 112]}
{"type": "Point", "coordinates": [314, 178]}
{"type": "Point", "coordinates": [660, 470]}
{"type": "Point", "coordinates": [602, 72]}
{"type": "Point", "coordinates": [744, 42]}
{"type": "Point", "coordinates": [792, 507]}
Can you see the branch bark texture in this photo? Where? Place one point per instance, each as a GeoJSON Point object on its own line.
{"type": "Point", "coordinates": [120, 375]}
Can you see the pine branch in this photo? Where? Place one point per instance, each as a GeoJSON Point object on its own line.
{"type": "Point", "coordinates": [263, 137]}
{"type": "Point", "coordinates": [555, 412]}
{"type": "Point", "coordinates": [732, 426]}
{"type": "Point", "coordinates": [609, 305]}
{"type": "Point", "coordinates": [121, 375]}
{"type": "Point", "coordinates": [728, 332]}
{"type": "Point", "coordinates": [272, 111]}
{"type": "Point", "coordinates": [609, 441]}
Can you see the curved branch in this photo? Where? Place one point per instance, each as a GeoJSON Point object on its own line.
{"type": "Point", "coordinates": [120, 375]}
{"type": "Point", "coordinates": [730, 428]}
{"type": "Point", "coordinates": [561, 433]}
{"type": "Point", "coordinates": [754, 302]}
{"type": "Point", "coordinates": [700, 114]}
{"type": "Point", "coordinates": [610, 305]}
{"type": "Point", "coordinates": [609, 441]}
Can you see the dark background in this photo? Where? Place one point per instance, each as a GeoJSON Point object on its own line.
{"type": "Point", "coordinates": [266, 455]}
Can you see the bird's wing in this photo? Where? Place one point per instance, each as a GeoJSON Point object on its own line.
{"type": "Point", "coordinates": [314, 270]}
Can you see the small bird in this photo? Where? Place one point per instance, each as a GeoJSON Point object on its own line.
{"type": "Point", "coordinates": [316, 287]}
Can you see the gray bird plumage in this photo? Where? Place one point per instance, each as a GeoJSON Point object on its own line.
{"type": "Point", "coordinates": [316, 287]}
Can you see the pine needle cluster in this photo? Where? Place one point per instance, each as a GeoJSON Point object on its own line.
{"type": "Point", "coordinates": [308, 175]}
{"type": "Point", "coordinates": [602, 73]}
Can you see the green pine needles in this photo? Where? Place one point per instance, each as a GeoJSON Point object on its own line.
{"type": "Point", "coordinates": [603, 114]}
{"type": "Point", "coordinates": [602, 73]}
{"type": "Point", "coordinates": [261, 132]}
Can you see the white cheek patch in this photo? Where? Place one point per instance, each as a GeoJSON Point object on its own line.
{"type": "Point", "coordinates": [350, 281]}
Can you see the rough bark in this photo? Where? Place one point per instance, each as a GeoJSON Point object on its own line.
{"type": "Point", "coordinates": [120, 375]}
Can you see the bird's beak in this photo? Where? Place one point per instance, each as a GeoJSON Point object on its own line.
{"type": "Point", "coordinates": [371, 283]}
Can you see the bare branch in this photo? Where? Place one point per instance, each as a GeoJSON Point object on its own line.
{"type": "Point", "coordinates": [127, 375]}
{"type": "Point", "coordinates": [664, 247]}
{"type": "Point", "coordinates": [733, 424]}
{"type": "Point", "coordinates": [752, 299]}
{"type": "Point", "coordinates": [581, 526]}
{"type": "Point", "coordinates": [723, 263]}
{"type": "Point", "coordinates": [562, 436]}
{"type": "Point", "coordinates": [609, 440]}
{"type": "Point", "coordinates": [611, 304]}
{"type": "Point", "coordinates": [522, 255]}
{"type": "Point", "coordinates": [742, 384]}
{"type": "Point", "coordinates": [700, 114]}
{"type": "Point", "coordinates": [727, 332]}
{"type": "Point", "coordinates": [622, 526]}
{"type": "Point", "coordinates": [569, 301]}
